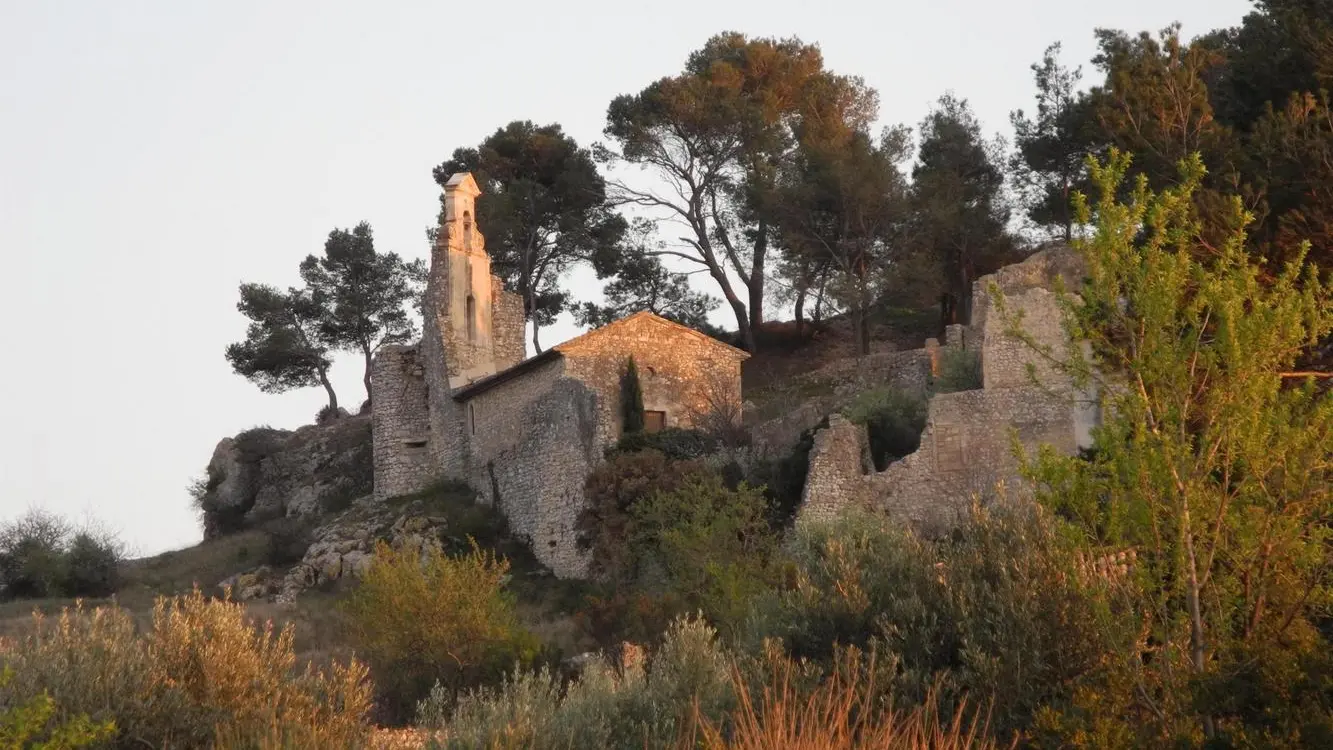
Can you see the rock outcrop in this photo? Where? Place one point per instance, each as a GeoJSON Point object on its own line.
{"type": "Point", "coordinates": [265, 473]}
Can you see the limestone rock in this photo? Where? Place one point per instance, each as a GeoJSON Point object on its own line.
{"type": "Point", "coordinates": [265, 473]}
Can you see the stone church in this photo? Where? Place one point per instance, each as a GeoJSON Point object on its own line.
{"type": "Point", "coordinates": [464, 403]}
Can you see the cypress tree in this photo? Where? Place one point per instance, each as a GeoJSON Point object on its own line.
{"type": "Point", "coordinates": [631, 398]}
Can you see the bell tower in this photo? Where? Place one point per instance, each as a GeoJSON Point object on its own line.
{"type": "Point", "coordinates": [462, 288]}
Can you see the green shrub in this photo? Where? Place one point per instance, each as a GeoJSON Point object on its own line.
{"type": "Point", "coordinates": [634, 616]}
{"type": "Point", "coordinates": [676, 443]}
{"type": "Point", "coordinates": [783, 479]}
{"type": "Point", "coordinates": [92, 565]}
{"type": "Point", "coordinates": [611, 491]}
{"type": "Point", "coordinates": [710, 544]}
{"type": "Point", "coordinates": [288, 539]}
{"type": "Point", "coordinates": [960, 370]}
{"type": "Point", "coordinates": [996, 612]}
{"type": "Point", "coordinates": [28, 725]}
{"type": "Point", "coordinates": [32, 555]}
{"type": "Point", "coordinates": [605, 707]}
{"type": "Point", "coordinates": [41, 555]}
{"type": "Point", "coordinates": [894, 419]}
{"type": "Point", "coordinates": [200, 670]}
{"type": "Point", "coordinates": [422, 617]}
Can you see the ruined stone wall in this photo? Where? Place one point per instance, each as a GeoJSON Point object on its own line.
{"type": "Point", "coordinates": [537, 480]}
{"type": "Point", "coordinates": [837, 465]}
{"type": "Point", "coordinates": [509, 327]}
{"type": "Point", "coordinates": [966, 448]}
{"type": "Point", "coordinates": [400, 422]}
{"type": "Point", "coordinates": [681, 373]}
{"type": "Point", "coordinates": [836, 385]}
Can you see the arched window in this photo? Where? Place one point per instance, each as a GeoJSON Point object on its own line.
{"type": "Point", "coordinates": [467, 230]}
{"type": "Point", "coordinates": [471, 313]}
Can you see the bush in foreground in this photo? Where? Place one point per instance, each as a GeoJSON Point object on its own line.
{"type": "Point", "coordinates": [200, 676]}
{"type": "Point", "coordinates": [626, 706]}
{"type": "Point", "coordinates": [421, 617]}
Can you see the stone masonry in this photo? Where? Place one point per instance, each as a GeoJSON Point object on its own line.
{"type": "Point", "coordinates": [524, 433]}
{"type": "Point", "coordinates": [966, 449]}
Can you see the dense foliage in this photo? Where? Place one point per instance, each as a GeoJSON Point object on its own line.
{"type": "Point", "coordinates": [200, 675]}
{"type": "Point", "coordinates": [42, 555]}
{"type": "Point", "coordinates": [421, 617]}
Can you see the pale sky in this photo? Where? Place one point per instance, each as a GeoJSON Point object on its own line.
{"type": "Point", "coordinates": [153, 155]}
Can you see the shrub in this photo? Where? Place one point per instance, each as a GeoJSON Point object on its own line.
{"type": "Point", "coordinates": [32, 555]}
{"type": "Point", "coordinates": [894, 419]}
{"type": "Point", "coordinates": [634, 616]}
{"type": "Point", "coordinates": [605, 707]}
{"type": "Point", "coordinates": [42, 555]}
{"type": "Point", "coordinates": [288, 539]}
{"type": "Point", "coordinates": [843, 712]}
{"type": "Point", "coordinates": [92, 565]}
{"type": "Point", "coordinates": [784, 479]}
{"type": "Point", "coordinates": [29, 725]}
{"type": "Point", "coordinates": [960, 370]}
{"type": "Point", "coordinates": [712, 544]}
{"type": "Point", "coordinates": [200, 671]}
{"type": "Point", "coordinates": [610, 492]}
{"type": "Point", "coordinates": [995, 612]}
{"type": "Point", "coordinates": [420, 617]}
{"type": "Point", "coordinates": [676, 443]}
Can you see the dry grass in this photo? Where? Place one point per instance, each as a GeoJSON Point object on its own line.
{"type": "Point", "coordinates": [841, 713]}
{"type": "Point", "coordinates": [201, 669]}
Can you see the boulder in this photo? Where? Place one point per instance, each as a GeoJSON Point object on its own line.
{"type": "Point", "coordinates": [264, 473]}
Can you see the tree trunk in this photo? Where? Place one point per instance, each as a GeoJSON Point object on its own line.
{"type": "Point", "coordinates": [365, 378]}
{"type": "Point", "coordinates": [756, 283]}
{"type": "Point", "coordinates": [530, 303]}
{"type": "Point", "coordinates": [328, 388]}
{"type": "Point", "coordinates": [800, 311]}
{"type": "Point", "coordinates": [861, 330]}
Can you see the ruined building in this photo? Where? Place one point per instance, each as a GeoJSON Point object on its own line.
{"type": "Point", "coordinates": [465, 404]}
{"type": "Point", "coordinates": [966, 449]}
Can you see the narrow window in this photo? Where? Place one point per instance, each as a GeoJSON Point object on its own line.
{"type": "Point", "coordinates": [472, 419]}
{"type": "Point", "coordinates": [467, 230]}
{"type": "Point", "coordinates": [471, 313]}
{"type": "Point", "coordinates": [654, 421]}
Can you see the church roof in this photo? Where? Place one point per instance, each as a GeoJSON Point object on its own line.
{"type": "Point", "coordinates": [610, 329]}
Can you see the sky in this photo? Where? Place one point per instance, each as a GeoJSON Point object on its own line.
{"type": "Point", "coordinates": [154, 155]}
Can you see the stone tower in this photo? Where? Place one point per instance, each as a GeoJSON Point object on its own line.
{"type": "Point", "coordinates": [463, 288]}
{"type": "Point", "coordinates": [471, 329]}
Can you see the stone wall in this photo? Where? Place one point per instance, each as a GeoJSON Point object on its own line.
{"type": "Point", "coordinates": [682, 372]}
{"type": "Point", "coordinates": [509, 327]}
{"type": "Point", "coordinates": [400, 422]}
{"type": "Point", "coordinates": [966, 450]}
{"type": "Point", "coordinates": [837, 468]}
{"type": "Point", "coordinates": [495, 417]}
{"type": "Point", "coordinates": [835, 385]}
{"type": "Point", "coordinates": [537, 481]}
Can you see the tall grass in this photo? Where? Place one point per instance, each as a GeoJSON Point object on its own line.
{"type": "Point", "coordinates": [845, 711]}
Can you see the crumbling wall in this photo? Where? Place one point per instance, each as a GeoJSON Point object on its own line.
{"type": "Point", "coordinates": [400, 422]}
{"type": "Point", "coordinates": [838, 462]}
{"type": "Point", "coordinates": [836, 385]}
{"type": "Point", "coordinates": [510, 327]}
{"type": "Point", "coordinates": [967, 447]}
{"type": "Point", "coordinates": [538, 480]}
